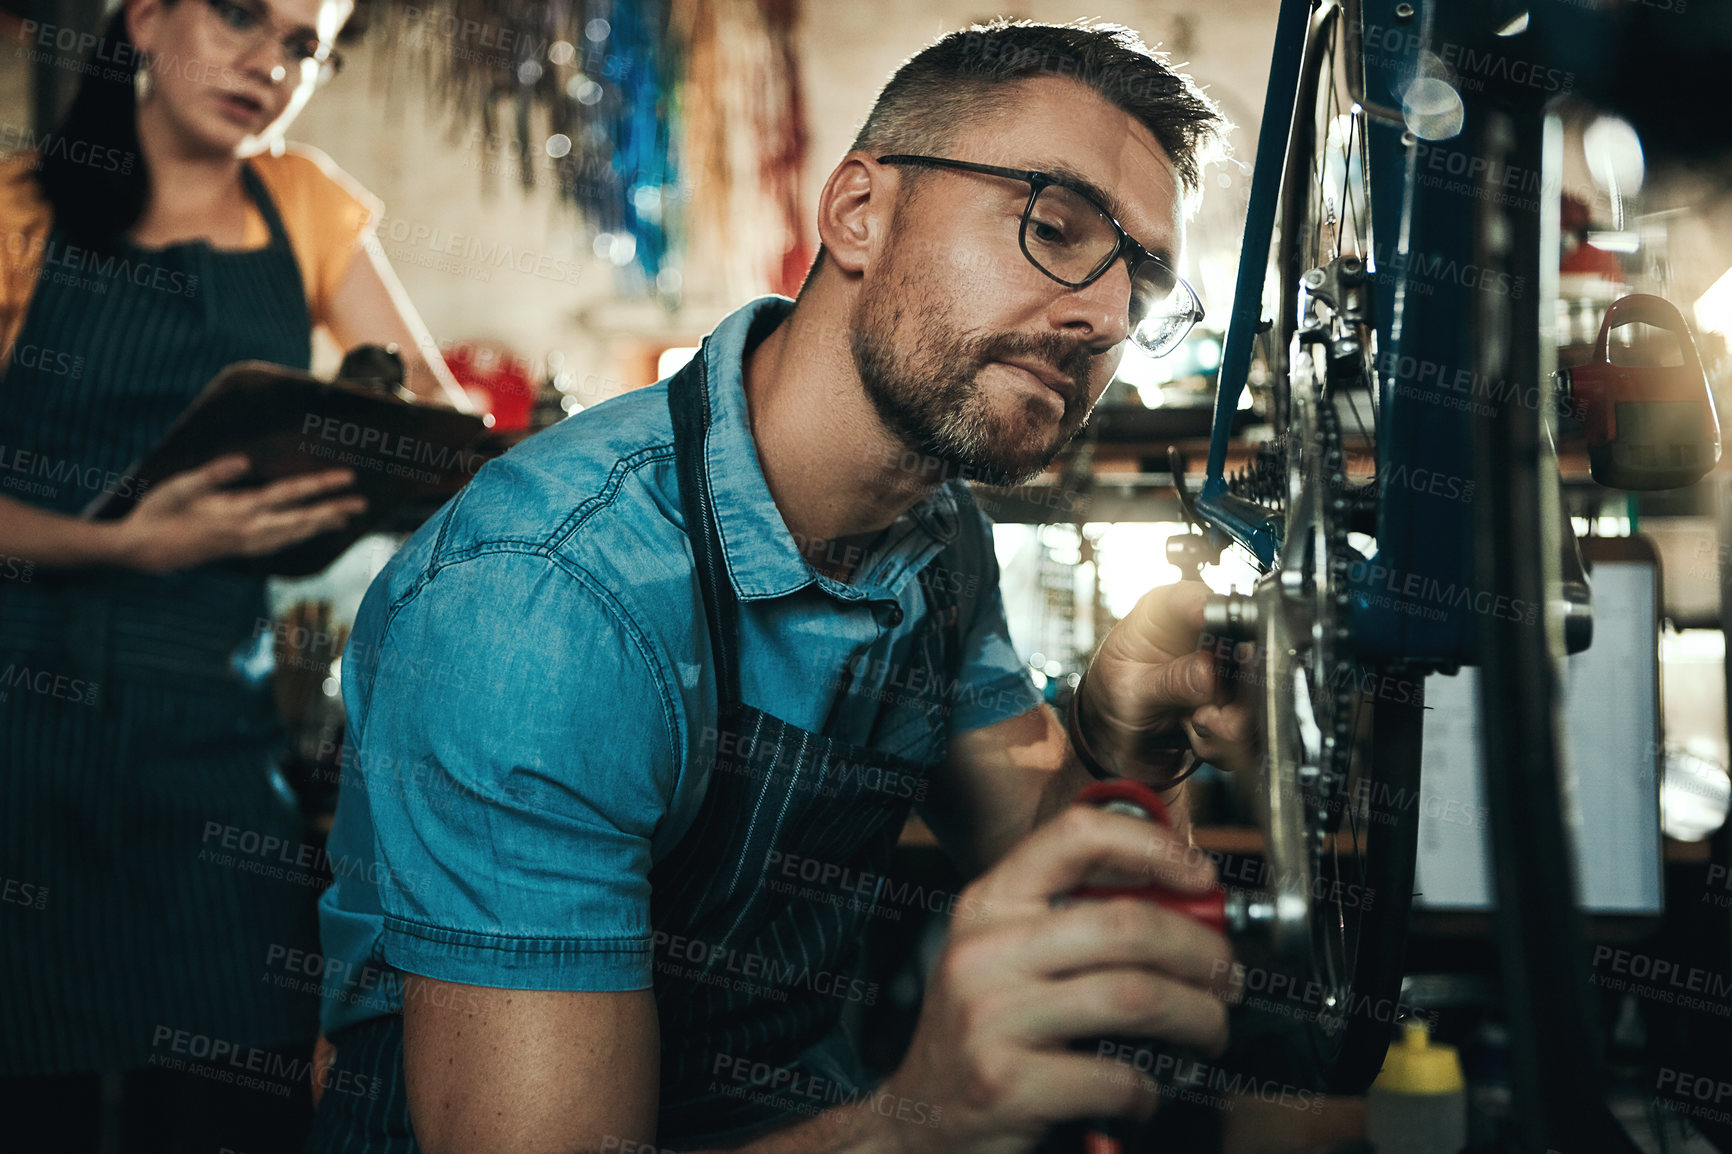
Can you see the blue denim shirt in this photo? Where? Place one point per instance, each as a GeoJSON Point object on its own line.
{"type": "Point", "coordinates": [531, 701]}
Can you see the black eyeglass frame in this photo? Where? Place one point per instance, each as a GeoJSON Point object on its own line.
{"type": "Point", "coordinates": [323, 54]}
{"type": "Point", "coordinates": [1038, 181]}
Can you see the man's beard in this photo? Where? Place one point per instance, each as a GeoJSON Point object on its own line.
{"type": "Point", "coordinates": [927, 393]}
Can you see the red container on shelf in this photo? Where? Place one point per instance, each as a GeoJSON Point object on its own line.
{"type": "Point", "coordinates": [501, 375]}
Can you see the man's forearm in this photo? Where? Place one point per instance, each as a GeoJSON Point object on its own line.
{"type": "Point", "coordinates": [1062, 787]}
{"type": "Point", "coordinates": [1006, 780]}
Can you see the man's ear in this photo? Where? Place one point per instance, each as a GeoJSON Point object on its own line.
{"type": "Point", "coordinates": [854, 211]}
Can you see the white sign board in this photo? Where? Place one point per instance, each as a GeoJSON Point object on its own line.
{"type": "Point", "coordinates": [1610, 705]}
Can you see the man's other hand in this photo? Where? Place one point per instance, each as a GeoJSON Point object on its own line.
{"type": "Point", "coordinates": [1020, 980]}
{"type": "Point", "coordinates": [1156, 674]}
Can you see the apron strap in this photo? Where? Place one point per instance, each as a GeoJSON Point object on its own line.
{"type": "Point", "coordinates": [689, 404]}
{"type": "Point", "coordinates": [943, 614]}
{"type": "Point", "coordinates": [267, 207]}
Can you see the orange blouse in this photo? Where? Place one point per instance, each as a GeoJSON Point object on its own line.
{"type": "Point", "coordinates": [325, 212]}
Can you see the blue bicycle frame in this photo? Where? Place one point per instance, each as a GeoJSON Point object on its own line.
{"type": "Point", "coordinates": [1415, 598]}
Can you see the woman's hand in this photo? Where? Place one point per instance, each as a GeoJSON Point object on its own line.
{"type": "Point", "coordinates": [324, 1057]}
{"type": "Point", "coordinates": [192, 518]}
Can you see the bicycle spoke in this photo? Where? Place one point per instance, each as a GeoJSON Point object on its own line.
{"type": "Point", "coordinates": [1331, 114]}
{"type": "Point", "coordinates": [1353, 407]}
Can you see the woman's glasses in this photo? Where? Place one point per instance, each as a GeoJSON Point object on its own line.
{"type": "Point", "coordinates": [242, 27]}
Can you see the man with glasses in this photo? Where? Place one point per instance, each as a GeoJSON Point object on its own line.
{"type": "Point", "coordinates": [635, 721]}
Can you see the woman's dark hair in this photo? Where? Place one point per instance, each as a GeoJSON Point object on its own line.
{"type": "Point", "coordinates": [90, 168]}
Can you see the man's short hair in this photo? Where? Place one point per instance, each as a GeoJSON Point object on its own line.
{"type": "Point", "coordinates": [965, 77]}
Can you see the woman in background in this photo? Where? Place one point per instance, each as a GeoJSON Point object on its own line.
{"type": "Point", "coordinates": [158, 949]}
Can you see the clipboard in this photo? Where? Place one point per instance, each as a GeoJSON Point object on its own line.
{"type": "Point", "coordinates": [289, 423]}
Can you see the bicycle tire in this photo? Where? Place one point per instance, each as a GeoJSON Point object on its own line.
{"type": "Point", "coordinates": [1557, 1073]}
{"type": "Point", "coordinates": [1391, 848]}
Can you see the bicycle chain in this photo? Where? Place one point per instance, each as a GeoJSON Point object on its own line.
{"type": "Point", "coordinates": [1264, 481]}
{"type": "Point", "coordinates": [1341, 686]}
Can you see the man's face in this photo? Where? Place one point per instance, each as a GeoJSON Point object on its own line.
{"type": "Point", "coordinates": [954, 330]}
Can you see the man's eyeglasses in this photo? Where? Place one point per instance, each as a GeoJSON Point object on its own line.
{"type": "Point", "coordinates": [243, 27]}
{"type": "Point", "coordinates": [1068, 236]}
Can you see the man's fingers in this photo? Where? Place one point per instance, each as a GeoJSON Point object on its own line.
{"type": "Point", "coordinates": [1180, 603]}
{"type": "Point", "coordinates": [1118, 932]}
{"type": "Point", "coordinates": [1124, 1003]}
{"type": "Point", "coordinates": [1228, 725]}
{"type": "Point", "coordinates": [1150, 671]}
{"type": "Point", "coordinates": [1063, 853]}
{"type": "Point", "coordinates": [1185, 682]}
{"type": "Point", "coordinates": [1225, 736]}
{"type": "Point", "coordinates": [1166, 620]}
{"type": "Point", "coordinates": [1056, 1087]}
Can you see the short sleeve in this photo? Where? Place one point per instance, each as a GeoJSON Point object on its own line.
{"type": "Point", "coordinates": [517, 749]}
{"type": "Point", "coordinates": [992, 682]}
{"type": "Point", "coordinates": [327, 215]}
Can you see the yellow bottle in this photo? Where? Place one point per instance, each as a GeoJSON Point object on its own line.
{"type": "Point", "coordinates": [1418, 1105]}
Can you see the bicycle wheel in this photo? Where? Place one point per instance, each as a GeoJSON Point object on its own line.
{"type": "Point", "coordinates": [1340, 828]}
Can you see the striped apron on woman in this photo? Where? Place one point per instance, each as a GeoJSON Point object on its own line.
{"type": "Point", "coordinates": [148, 843]}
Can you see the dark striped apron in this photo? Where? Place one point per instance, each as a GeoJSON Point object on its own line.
{"type": "Point", "coordinates": [140, 801]}
{"type": "Point", "coordinates": [752, 969]}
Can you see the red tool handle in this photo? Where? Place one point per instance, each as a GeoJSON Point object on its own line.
{"type": "Point", "coordinates": [1130, 797]}
{"type": "Point", "coordinates": [1138, 800]}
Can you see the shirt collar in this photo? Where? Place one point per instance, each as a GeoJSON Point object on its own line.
{"type": "Point", "coordinates": [760, 552]}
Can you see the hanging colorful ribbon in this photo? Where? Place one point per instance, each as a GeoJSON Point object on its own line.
{"type": "Point", "coordinates": [663, 119]}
